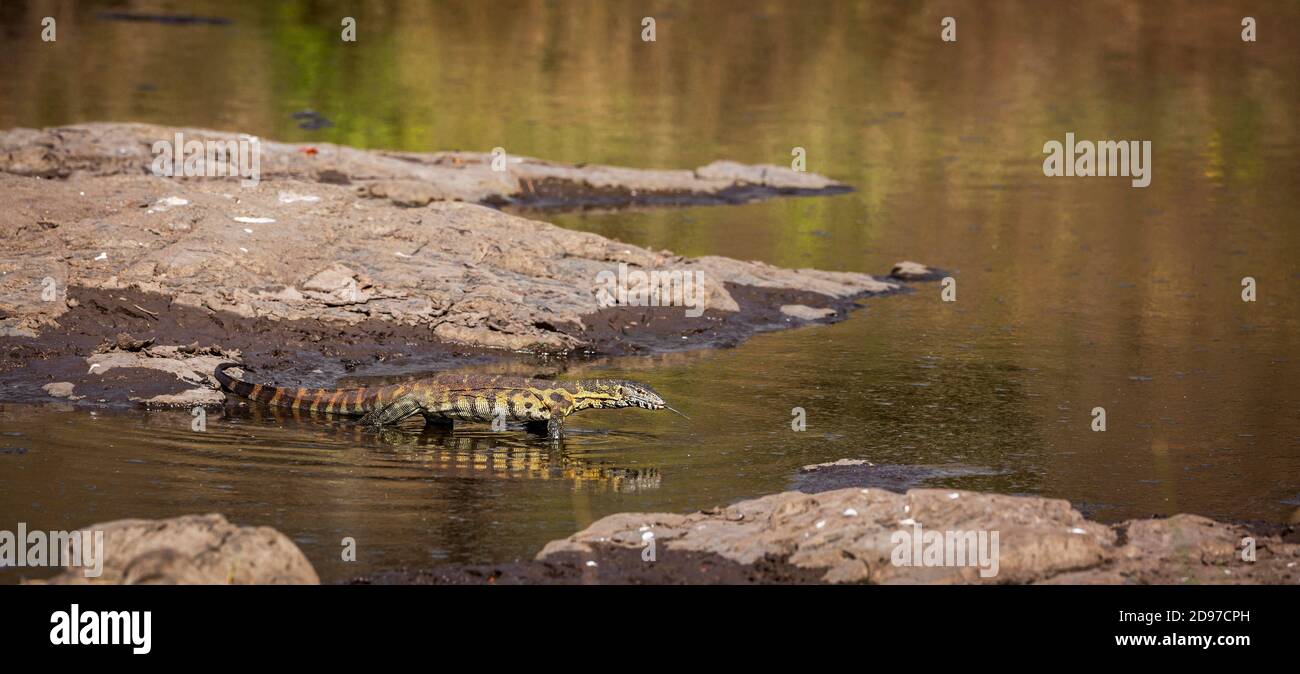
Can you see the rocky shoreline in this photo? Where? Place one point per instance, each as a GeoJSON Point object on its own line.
{"type": "Point", "coordinates": [118, 286]}
{"type": "Point", "coordinates": [844, 536]}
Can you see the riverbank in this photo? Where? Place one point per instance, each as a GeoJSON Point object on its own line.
{"type": "Point", "coordinates": [120, 286]}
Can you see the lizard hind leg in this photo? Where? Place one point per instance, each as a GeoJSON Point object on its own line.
{"type": "Point", "coordinates": [392, 412]}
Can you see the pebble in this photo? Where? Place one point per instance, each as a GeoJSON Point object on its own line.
{"type": "Point", "coordinates": [291, 197]}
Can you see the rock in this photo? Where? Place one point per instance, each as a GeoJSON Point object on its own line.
{"type": "Point", "coordinates": [806, 313]}
{"type": "Point", "coordinates": [454, 270]}
{"type": "Point", "coordinates": [188, 399]}
{"type": "Point", "coordinates": [833, 464]}
{"type": "Point", "coordinates": [167, 203]}
{"type": "Point", "coordinates": [60, 389]}
{"type": "Point", "coordinates": [186, 363]}
{"type": "Point", "coordinates": [406, 178]}
{"type": "Point", "coordinates": [194, 549]}
{"type": "Point", "coordinates": [859, 473]}
{"type": "Point", "coordinates": [124, 342]}
{"type": "Point", "coordinates": [769, 175]}
{"type": "Point", "coordinates": [848, 534]}
{"type": "Point", "coordinates": [913, 271]}
{"type": "Point", "coordinates": [294, 197]}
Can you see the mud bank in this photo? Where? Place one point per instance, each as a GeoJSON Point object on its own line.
{"type": "Point", "coordinates": [341, 258]}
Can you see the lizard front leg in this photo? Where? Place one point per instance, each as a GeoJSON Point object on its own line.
{"type": "Point", "coordinates": [392, 412]}
{"type": "Point", "coordinates": [555, 428]}
{"type": "Point", "coordinates": [552, 426]}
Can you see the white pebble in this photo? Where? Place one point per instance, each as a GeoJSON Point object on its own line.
{"type": "Point", "coordinates": [647, 535]}
{"type": "Point", "coordinates": [821, 523]}
{"type": "Point", "coordinates": [591, 563]}
{"type": "Point", "coordinates": [169, 202]}
{"type": "Point", "coordinates": [954, 496]}
{"type": "Point", "coordinates": [255, 221]}
{"type": "Point", "coordinates": [908, 522]}
{"type": "Point", "coordinates": [290, 197]}
{"type": "Point", "coordinates": [850, 512]}
{"type": "Point", "coordinates": [102, 256]}
{"type": "Point", "coordinates": [1077, 530]}
{"type": "Point", "coordinates": [248, 230]}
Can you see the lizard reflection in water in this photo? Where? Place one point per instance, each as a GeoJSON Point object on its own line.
{"type": "Point", "coordinates": [480, 452]}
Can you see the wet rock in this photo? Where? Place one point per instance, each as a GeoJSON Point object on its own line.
{"type": "Point", "coordinates": [768, 175]}
{"type": "Point", "coordinates": [834, 464]}
{"type": "Point", "coordinates": [846, 473]}
{"type": "Point", "coordinates": [914, 271]}
{"type": "Point", "coordinates": [806, 313]}
{"type": "Point", "coordinates": [194, 549]}
{"type": "Point", "coordinates": [60, 389]}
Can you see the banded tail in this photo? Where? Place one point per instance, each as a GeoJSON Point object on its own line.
{"type": "Point", "coordinates": [334, 401]}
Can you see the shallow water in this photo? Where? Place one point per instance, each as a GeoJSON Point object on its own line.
{"type": "Point", "coordinates": [1071, 293]}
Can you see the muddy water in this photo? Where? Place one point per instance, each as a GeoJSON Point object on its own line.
{"type": "Point", "coordinates": [1072, 293]}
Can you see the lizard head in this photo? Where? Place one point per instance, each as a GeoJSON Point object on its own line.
{"type": "Point", "coordinates": [600, 393]}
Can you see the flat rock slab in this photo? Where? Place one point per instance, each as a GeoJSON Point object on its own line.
{"type": "Point", "coordinates": [411, 179]}
{"type": "Point", "coordinates": [848, 535]}
{"type": "Point", "coordinates": [347, 238]}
